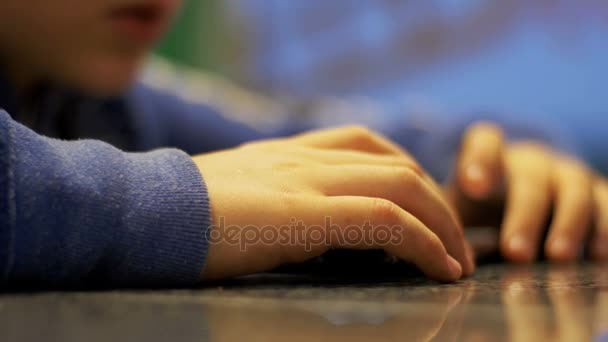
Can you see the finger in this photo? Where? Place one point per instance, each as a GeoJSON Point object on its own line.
{"type": "Point", "coordinates": [480, 164]}
{"type": "Point", "coordinates": [356, 138]}
{"type": "Point", "coordinates": [345, 157]}
{"type": "Point", "coordinates": [528, 203]}
{"type": "Point", "coordinates": [359, 139]}
{"type": "Point", "coordinates": [384, 225]}
{"type": "Point", "coordinates": [409, 191]}
{"type": "Point", "coordinates": [573, 211]}
{"type": "Point", "coordinates": [598, 247]}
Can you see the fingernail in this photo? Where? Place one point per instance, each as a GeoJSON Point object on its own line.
{"type": "Point", "coordinates": [454, 266]}
{"type": "Point", "coordinates": [476, 176]}
{"type": "Point", "coordinates": [520, 247]}
{"type": "Point", "coordinates": [475, 173]}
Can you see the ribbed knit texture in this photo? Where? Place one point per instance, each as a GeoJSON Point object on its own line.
{"type": "Point", "coordinates": [86, 214]}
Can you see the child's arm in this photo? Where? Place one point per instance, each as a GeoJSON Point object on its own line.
{"type": "Point", "coordinates": [84, 213]}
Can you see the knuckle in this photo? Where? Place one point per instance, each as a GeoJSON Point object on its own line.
{"type": "Point", "coordinates": [417, 169]}
{"type": "Point", "coordinates": [409, 162]}
{"type": "Point", "coordinates": [433, 243]}
{"type": "Point", "coordinates": [410, 179]}
{"type": "Point", "coordinates": [417, 237]}
{"type": "Point", "coordinates": [359, 132]}
{"type": "Point", "coordinates": [427, 241]}
{"type": "Point", "coordinates": [385, 210]}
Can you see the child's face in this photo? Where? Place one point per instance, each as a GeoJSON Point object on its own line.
{"type": "Point", "coordinates": [96, 45]}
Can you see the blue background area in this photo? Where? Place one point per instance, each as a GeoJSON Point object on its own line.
{"type": "Point", "coordinates": [528, 73]}
{"type": "Point", "coordinates": [549, 65]}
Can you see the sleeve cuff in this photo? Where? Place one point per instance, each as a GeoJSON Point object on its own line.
{"type": "Point", "coordinates": [88, 214]}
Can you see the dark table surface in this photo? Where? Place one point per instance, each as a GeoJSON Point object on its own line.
{"type": "Point", "coordinates": [501, 302]}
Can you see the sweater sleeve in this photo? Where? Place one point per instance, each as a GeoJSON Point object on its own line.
{"type": "Point", "coordinates": [86, 214]}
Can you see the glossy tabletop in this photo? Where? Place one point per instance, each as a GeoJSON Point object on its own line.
{"type": "Point", "coordinates": [501, 302]}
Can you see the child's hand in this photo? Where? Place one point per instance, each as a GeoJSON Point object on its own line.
{"type": "Point", "coordinates": [289, 200]}
{"type": "Point", "coordinates": [519, 186]}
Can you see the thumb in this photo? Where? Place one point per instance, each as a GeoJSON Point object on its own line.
{"type": "Point", "coordinates": [480, 167]}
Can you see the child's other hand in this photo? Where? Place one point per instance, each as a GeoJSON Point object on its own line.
{"type": "Point", "coordinates": [271, 202]}
{"type": "Point", "coordinates": [517, 187]}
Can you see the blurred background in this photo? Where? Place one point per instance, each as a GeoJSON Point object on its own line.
{"type": "Point", "coordinates": [519, 58]}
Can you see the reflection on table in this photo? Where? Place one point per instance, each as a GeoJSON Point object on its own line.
{"type": "Point", "coordinates": [501, 302]}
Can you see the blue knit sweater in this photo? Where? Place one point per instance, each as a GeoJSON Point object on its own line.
{"type": "Point", "coordinates": [77, 211]}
